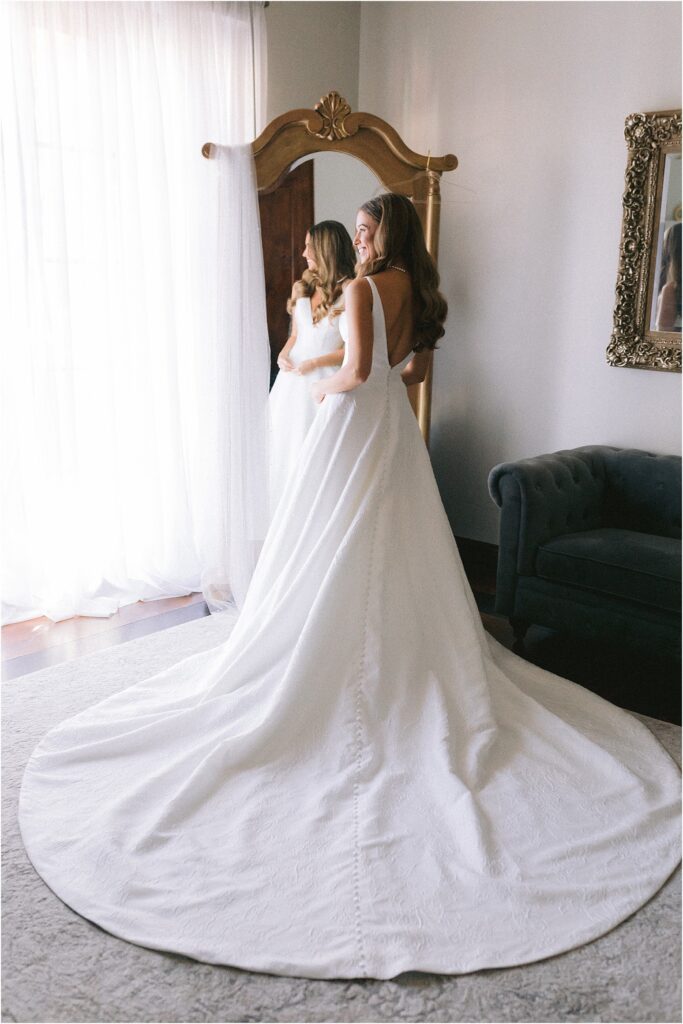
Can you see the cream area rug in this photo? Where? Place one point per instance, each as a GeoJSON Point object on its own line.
{"type": "Point", "coordinates": [59, 967]}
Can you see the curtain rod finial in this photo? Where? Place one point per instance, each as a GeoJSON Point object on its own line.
{"type": "Point", "coordinates": [208, 150]}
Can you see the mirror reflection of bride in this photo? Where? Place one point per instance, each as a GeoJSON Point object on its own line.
{"type": "Point", "coordinates": [668, 309]}
{"type": "Point", "coordinates": [314, 349]}
{"type": "Point", "coordinates": [358, 782]}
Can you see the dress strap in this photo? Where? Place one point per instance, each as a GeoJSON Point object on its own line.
{"type": "Point", "coordinates": [379, 323]}
{"type": "Point", "coordinates": [375, 293]}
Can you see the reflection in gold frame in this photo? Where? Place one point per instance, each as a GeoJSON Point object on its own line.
{"type": "Point", "coordinates": [332, 127]}
{"type": "Point", "coordinates": [649, 137]}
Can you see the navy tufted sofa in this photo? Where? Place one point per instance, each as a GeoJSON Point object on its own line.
{"type": "Point", "coordinates": [590, 544]}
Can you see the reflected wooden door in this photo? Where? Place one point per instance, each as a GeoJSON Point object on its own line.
{"type": "Point", "coordinates": [286, 216]}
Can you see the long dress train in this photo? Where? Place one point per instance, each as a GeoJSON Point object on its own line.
{"type": "Point", "coordinates": [291, 406]}
{"type": "Point", "coordinates": [360, 781]}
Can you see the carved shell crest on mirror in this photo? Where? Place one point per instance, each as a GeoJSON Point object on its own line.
{"type": "Point", "coordinates": [333, 110]}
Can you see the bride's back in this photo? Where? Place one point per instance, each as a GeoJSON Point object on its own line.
{"type": "Point", "coordinates": [396, 293]}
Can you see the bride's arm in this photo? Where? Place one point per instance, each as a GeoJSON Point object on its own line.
{"type": "Point", "coordinates": [359, 362]}
{"type": "Point", "coordinates": [333, 358]}
{"type": "Point", "coordinates": [283, 360]}
{"type": "Point", "coordinates": [416, 370]}
{"type": "Point", "coordinates": [666, 308]}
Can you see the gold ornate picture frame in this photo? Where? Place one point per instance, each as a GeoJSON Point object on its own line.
{"type": "Point", "coordinates": [635, 340]}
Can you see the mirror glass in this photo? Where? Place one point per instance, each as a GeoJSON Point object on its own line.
{"type": "Point", "coordinates": [665, 307]}
{"type": "Point", "coordinates": [340, 184]}
{"type": "Point", "coordinates": [325, 186]}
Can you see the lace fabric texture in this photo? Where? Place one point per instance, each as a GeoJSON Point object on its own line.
{"type": "Point", "coordinates": [360, 781]}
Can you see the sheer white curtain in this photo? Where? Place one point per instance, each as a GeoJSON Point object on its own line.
{"type": "Point", "coordinates": [135, 354]}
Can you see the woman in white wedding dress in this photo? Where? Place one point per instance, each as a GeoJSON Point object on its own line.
{"type": "Point", "coordinates": [314, 349]}
{"type": "Point", "coordinates": [359, 781]}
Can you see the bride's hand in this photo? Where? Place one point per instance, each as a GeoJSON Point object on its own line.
{"type": "Point", "coordinates": [284, 363]}
{"type": "Point", "coordinates": [305, 367]}
{"type": "Point", "coordinates": [317, 393]}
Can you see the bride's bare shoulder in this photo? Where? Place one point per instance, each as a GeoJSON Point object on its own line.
{"type": "Point", "coordinates": [358, 285]}
{"type": "Point", "coordinates": [358, 291]}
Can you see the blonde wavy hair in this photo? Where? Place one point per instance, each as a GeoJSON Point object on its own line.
{"type": "Point", "coordinates": [335, 260]}
{"type": "Point", "coordinates": [399, 239]}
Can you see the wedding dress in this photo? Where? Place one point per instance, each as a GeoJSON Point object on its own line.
{"type": "Point", "coordinates": [359, 781]}
{"type": "Point", "coordinates": [291, 407]}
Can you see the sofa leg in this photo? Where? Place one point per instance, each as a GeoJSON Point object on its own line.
{"type": "Point", "coordinates": [519, 628]}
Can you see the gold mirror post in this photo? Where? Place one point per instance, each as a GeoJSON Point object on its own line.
{"type": "Point", "coordinates": [428, 200]}
{"type": "Point", "coordinates": [332, 127]}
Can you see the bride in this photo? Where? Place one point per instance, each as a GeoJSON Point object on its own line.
{"type": "Point", "coordinates": [314, 348]}
{"type": "Point", "coordinates": [359, 781]}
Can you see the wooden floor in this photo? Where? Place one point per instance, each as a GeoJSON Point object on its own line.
{"type": "Point", "coordinates": [40, 643]}
{"type": "Point", "coordinates": [635, 680]}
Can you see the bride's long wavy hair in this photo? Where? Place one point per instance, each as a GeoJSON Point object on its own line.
{"type": "Point", "coordinates": [399, 239]}
{"type": "Point", "coordinates": [335, 260]}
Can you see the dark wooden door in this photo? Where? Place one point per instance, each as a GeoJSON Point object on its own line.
{"type": "Point", "coordinates": [286, 216]}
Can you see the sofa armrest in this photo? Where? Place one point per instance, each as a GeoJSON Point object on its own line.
{"type": "Point", "coordinates": [540, 498]}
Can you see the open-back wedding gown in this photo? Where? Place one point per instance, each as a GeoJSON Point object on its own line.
{"type": "Point", "coordinates": [360, 781]}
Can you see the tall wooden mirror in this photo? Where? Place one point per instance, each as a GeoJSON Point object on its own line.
{"type": "Point", "coordinates": [331, 127]}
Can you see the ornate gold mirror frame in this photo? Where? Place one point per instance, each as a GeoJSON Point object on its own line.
{"type": "Point", "coordinates": [332, 127]}
{"type": "Point", "coordinates": [650, 137]}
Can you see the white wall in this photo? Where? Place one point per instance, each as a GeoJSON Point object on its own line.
{"type": "Point", "coordinates": [532, 99]}
{"type": "Point", "coordinates": [312, 50]}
